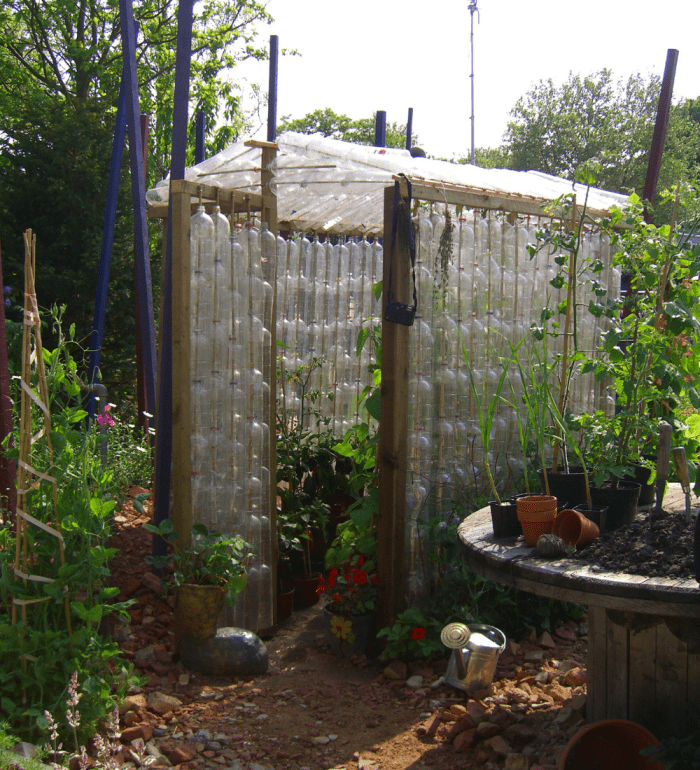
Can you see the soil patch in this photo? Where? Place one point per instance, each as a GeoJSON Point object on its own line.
{"type": "Point", "coordinates": [662, 547]}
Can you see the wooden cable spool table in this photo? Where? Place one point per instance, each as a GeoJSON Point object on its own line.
{"type": "Point", "coordinates": [643, 632]}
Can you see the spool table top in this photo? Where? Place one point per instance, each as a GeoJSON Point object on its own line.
{"type": "Point", "coordinates": [511, 562]}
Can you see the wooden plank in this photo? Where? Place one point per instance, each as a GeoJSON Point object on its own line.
{"type": "Point", "coordinates": [392, 437]}
{"type": "Point", "coordinates": [263, 144]}
{"type": "Point", "coordinates": [596, 665]}
{"type": "Point", "coordinates": [693, 691]}
{"type": "Point", "coordinates": [617, 670]}
{"type": "Point", "coordinates": [483, 199]}
{"type": "Point", "coordinates": [182, 419]}
{"type": "Point", "coordinates": [642, 684]}
{"type": "Point", "coordinates": [269, 215]}
{"type": "Point", "coordinates": [671, 672]}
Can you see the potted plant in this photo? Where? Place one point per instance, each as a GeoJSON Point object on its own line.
{"type": "Point", "coordinates": [351, 584]}
{"type": "Point", "coordinates": [648, 349]}
{"type": "Point", "coordinates": [206, 575]}
{"type": "Point", "coordinates": [577, 269]}
{"type": "Point", "coordinates": [307, 473]}
{"type": "Point", "coordinates": [503, 512]}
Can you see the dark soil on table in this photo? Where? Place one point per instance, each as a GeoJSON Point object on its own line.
{"type": "Point", "coordinates": [662, 549]}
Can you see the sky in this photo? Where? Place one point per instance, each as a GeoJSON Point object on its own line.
{"type": "Point", "coordinates": [367, 55]}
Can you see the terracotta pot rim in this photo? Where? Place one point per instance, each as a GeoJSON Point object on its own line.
{"type": "Point", "coordinates": [619, 724]}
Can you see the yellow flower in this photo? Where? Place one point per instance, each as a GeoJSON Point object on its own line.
{"type": "Point", "coordinates": [340, 626]}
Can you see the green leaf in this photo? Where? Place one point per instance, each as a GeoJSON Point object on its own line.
{"type": "Point", "coordinates": [374, 405]}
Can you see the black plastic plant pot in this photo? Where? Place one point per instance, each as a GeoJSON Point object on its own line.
{"type": "Point", "coordinates": [504, 518]}
{"type": "Point", "coordinates": [647, 494]}
{"type": "Point", "coordinates": [621, 502]}
{"type": "Point", "coordinates": [569, 486]}
{"type": "Point", "coordinates": [598, 515]}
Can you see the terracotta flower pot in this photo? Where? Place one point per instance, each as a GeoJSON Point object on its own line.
{"type": "Point", "coordinates": [574, 528]}
{"type": "Point", "coordinates": [285, 599]}
{"type": "Point", "coordinates": [536, 516]}
{"type": "Point", "coordinates": [536, 507]}
{"type": "Point", "coordinates": [612, 744]}
{"type": "Point", "coordinates": [305, 591]}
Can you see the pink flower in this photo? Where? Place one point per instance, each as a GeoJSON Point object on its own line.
{"type": "Point", "coordinates": [105, 419]}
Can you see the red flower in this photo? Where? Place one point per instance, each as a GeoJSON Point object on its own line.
{"type": "Point", "coordinates": [334, 574]}
{"type": "Point", "coordinates": [360, 577]}
{"type": "Point", "coordinates": [360, 560]}
{"type": "Point", "coordinates": [337, 598]}
{"type": "Point", "coordinates": [418, 633]}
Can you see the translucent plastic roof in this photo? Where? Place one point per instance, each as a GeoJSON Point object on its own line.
{"type": "Point", "coordinates": [326, 185]}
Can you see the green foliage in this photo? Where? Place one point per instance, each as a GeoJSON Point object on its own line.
{"type": "Point", "coordinates": [328, 123]}
{"type": "Point", "coordinates": [212, 559]}
{"type": "Point", "coordinates": [129, 453]}
{"type": "Point", "coordinates": [650, 347]}
{"type": "Point", "coordinates": [85, 505]}
{"type": "Point", "coordinates": [60, 70]}
{"type": "Point", "coordinates": [306, 467]}
{"type": "Point", "coordinates": [556, 129]}
{"type": "Point", "coordinates": [412, 636]}
{"type": "Point", "coordinates": [53, 179]}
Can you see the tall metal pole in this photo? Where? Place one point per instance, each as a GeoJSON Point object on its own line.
{"type": "Point", "coordinates": [272, 90]}
{"type": "Point", "coordinates": [659, 138]}
{"type": "Point", "coordinates": [472, 9]}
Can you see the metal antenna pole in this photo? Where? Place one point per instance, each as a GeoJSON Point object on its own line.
{"type": "Point", "coordinates": [472, 9]}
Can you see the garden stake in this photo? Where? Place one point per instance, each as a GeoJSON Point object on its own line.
{"type": "Point", "coordinates": [663, 459]}
{"type": "Point", "coordinates": [682, 470]}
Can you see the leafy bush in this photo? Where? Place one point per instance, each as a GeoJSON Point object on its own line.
{"type": "Point", "coordinates": [56, 632]}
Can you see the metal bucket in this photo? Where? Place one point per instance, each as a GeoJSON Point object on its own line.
{"type": "Point", "coordinates": [473, 663]}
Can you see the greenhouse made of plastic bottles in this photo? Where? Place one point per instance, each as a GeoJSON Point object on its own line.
{"type": "Point", "coordinates": [276, 249]}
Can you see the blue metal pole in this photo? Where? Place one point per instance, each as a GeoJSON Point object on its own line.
{"type": "Point", "coordinates": [98, 320]}
{"type": "Point", "coordinates": [164, 432]}
{"type": "Point", "coordinates": [272, 90]}
{"type": "Point", "coordinates": [380, 129]}
{"type": "Point", "coordinates": [138, 193]}
{"type": "Point", "coordinates": [409, 128]}
{"type": "Point", "coordinates": [199, 138]}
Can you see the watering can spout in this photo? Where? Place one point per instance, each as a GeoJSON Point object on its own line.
{"type": "Point", "coordinates": [454, 636]}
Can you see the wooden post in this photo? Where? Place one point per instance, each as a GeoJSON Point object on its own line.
{"type": "Point", "coordinates": [394, 425]}
{"type": "Point", "coordinates": [182, 419]}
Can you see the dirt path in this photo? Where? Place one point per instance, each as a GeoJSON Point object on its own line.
{"type": "Point", "coordinates": [313, 710]}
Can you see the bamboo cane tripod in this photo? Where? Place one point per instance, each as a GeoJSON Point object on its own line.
{"type": "Point", "coordinates": [28, 477]}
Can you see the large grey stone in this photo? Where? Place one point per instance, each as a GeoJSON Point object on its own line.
{"type": "Point", "coordinates": [232, 652]}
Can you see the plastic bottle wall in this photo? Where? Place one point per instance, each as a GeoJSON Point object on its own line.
{"type": "Point", "coordinates": [324, 299]}
{"type": "Point", "coordinates": [475, 301]}
{"type": "Point", "coordinates": [230, 350]}
{"type": "Point", "coordinates": [478, 291]}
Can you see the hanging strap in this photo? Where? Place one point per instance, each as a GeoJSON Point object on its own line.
{"type": "Point", "coordinates": [399, 312]}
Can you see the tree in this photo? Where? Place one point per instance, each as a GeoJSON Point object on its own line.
{"type": "Point", "coordinates": [556, 129]}
{"type": "Point", "coordinates": [60, 48]}
{"type": "Point", "coordinates": [60, 69]}
{"type": "Point", "coordinates": [328, 123]}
